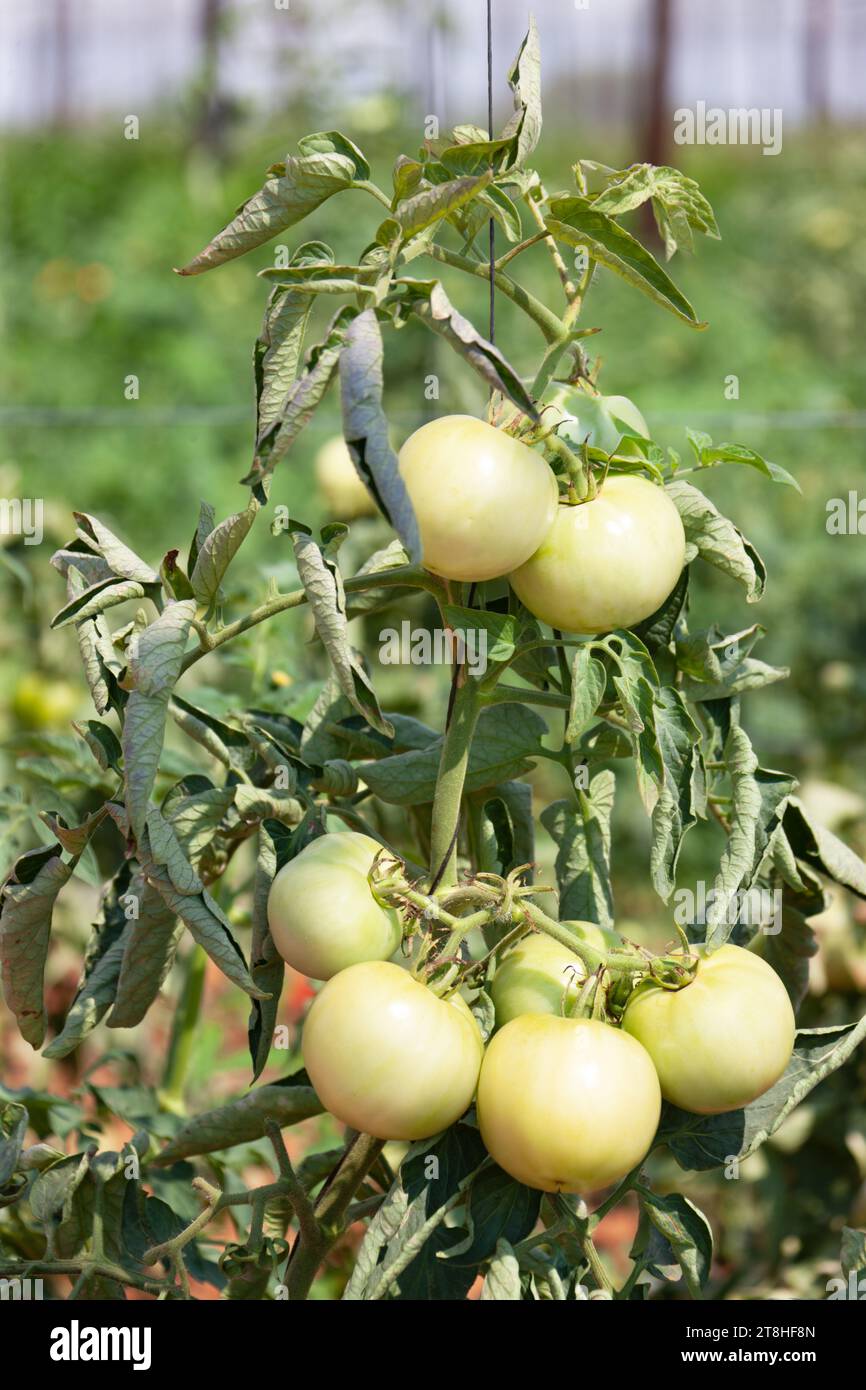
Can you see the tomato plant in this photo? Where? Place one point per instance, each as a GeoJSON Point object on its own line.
{"type": "Point", "coordinates": [241, 815]}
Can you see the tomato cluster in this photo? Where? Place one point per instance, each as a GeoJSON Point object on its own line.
{"type": "Point", "coordinates": [487, 507]}
{"type": "Point", "coordinates": [565, 1102]}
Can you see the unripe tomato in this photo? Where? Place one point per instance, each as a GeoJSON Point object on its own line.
{"type": "Point", "coordinates": [387, 1057]}
{"type": "Point", "coordinates": [344, 494]}
{"type": "Point", "coordinates": [40, 702]}
{"type": "Point", "coordinates": [484, 501]}
{"type": "Point", "coordinates": [321, 909]}
{"type": "Point", "coordinates": [537, 976]}
{"type": "Point", "coordinates": [722, 1040]}
{"type": "Point", "coordinates": [607, 563]}
{"type": "Point", "coordinates": [566, 1104]}
{"type": "Point", "coordinates": [596, 420]}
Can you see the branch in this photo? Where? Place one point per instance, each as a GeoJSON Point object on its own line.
{"type": "Point", "coordinates": [550, 324]}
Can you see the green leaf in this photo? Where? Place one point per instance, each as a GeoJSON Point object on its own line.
{"type": "Point", "coordinates": [122, 561]}
{"type": "Point", "coordinates": [678, 203]}
{"type": "Point", "coordinates": [328, 163]}
{"type": "Point", "coordinates": [142, 740]}
{"type": "Point", "coordinates": [209, 926]}
{"type": "Point", "coordinates": [99, 597]}
{"type": "Point", "coordinates": [716, 539]}
{"type": "Point", "coordinates": [709, 454]}
{"type": "Point", "coordinates": [299, 404]}
{"type": "Point", "coordinates": [365, 428]}
{"type": "Point", "coordinates": [486, 637]}
{"type": "Point", "coordinates": [502, 1281]}
{"type": "Point", "coordinates": [150, 943]}
{"type": "Point", "coordinates": [853, 1252]}
{"type": "Point", "coordinates": [266, 964]}
{"type": "Point", "coordinates": [242, 1121]}
{"type": "Point", "coordinates": [156, 652]}
{"type": "Point", "coordinates": [524, 79]}
{"type": "Point", "coordinates": [430, 205]}
{"type": "Point", "coordinates": [578, 223]}
{"type": "Point", "coordinates": [229, 746]}
{"type": "Point", "coordinates": [508, 737]}
{"type": "Point", "coordinates": [28, 898]}
{"type": "Point", "coordinates": [320, 576]}
{"type": "Point", "coordinates": [710, 1141]}
{"type": "Point", "coordinates": [588, 682]}
{"type": "Point", "coordinates": [686, 1230]}
{"type": "Point", "coordinates": [823, 850]}
{"type": "Point", "coordinates": [682, 796]}
{"type": "Point", "coordinates": [14, 1123]}
{"type": "Point", "coordinates": [758, 800]}
{"type": "Point", "coordinates": [216, 553]}
{"type": "Point", "coordinates": [91, 1003]}
{"type": "Point", "coordinates": [508, 810]}
{"type": "Point", "coordinates": [428, 300]}
{"type": "Point", "coordinates": [582, 837]}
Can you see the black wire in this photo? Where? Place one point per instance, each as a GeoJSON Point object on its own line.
{"type": "Point", "coordinates": [491, 224]}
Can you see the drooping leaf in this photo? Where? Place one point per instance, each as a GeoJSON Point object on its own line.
{"type": "Point", "coordinates": [28, 898]}
{"type": "Point", "coordinates": [428, 300]}
{"type": "Point", "coordinates": [716, 539]}
{"type": "Point", "coordinates": [242, 1121]}
{"type": "Point", "coordinates": [581, 834]}
{"type": "Point", "coordinates": [320, 576]}
{"type": "Point", "coordinates": [365, 428]}
{"type": "Point", "coordinates": [327, 163]}
{"type": "Point", "coordinates": [578, 223]}
{"type": "Point", "coordinates": [507, 739]}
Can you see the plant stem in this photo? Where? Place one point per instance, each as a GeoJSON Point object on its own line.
{"type": "Point", "coordinates": [183, 1032]}
{"type": "Point", "coordinates": [550, 324]}
{"type": "Point", "coordinates": [561, 268]}
{"type": "Point", "coordinates": [309, 1251]}
{"type": "Point", "coordinates": [449, 784]}
{"type": "Point", "coordinates": [401, 577]}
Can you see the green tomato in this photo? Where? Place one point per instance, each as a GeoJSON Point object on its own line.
{"type": "Point", "coordinates": [321, 910]}
{"type": "Point", "coordinates": [40, 702]}
{"type": "Point", "coordinates": [389, 1058]}
{"type": "Point", "coordinates": [599, 420]}
{"type": "Point", "coordinates": [722, 1040]}
{"type": "Point", "coordinates": [566, 1104]}
{"type": "Point", "coordinates": [484, 501]}
{"type": "Point", "coordinates": [537, 976]}
{"type": "Point", "coordinates": [337, 478]}
{"type": "Point", "coordinates": [607, 563]}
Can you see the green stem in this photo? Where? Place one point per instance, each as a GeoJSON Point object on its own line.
{"type": "Point", "coordinates": [515, 694]}
{"type": "Point", "coordinates": [367, 186]}
{"type": "Point", "coordinates": [401, 577]}
{"type": "Point", "coordinates": [183, 1032]}
{"type": "Point", "coordinates": [550, 324]}
{"type": "Point", "coordinates": [449, 784]}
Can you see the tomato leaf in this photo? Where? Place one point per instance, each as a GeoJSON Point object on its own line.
{"type": "Point", "coordinates": [524, 79]}
{"type": "Point", "coordinates": [508, 737]}
{"type": "Point", "coordinates": [716, 539]}
{"type": "Point", "coordinates": [428, 300]}
{"type": "Point", "coordinates": [682, 796]}
{"type": "Point", "coordinates": [327, 163]}
{"type": "Point", "coordinates": [28, 898]}
{"type": "Point", "coordinates": [582, 837]}
{"type": "Point", "coordinates": [687, 1233]}
{"type": "Point", "coordinates": [149, 949]}
{"type": "Point", "coordinates": [242, 1121]}
{"type": "Point", "coordinates": [578, 223]}
{"type": "Point", "coordinates": [365, 428]}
